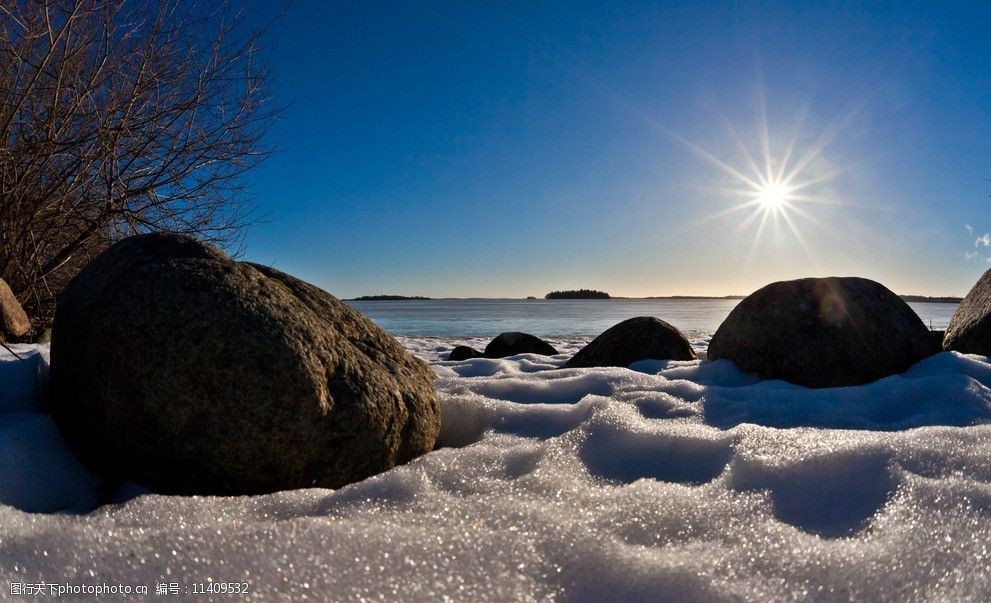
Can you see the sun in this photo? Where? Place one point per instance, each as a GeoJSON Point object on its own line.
{"type": "Point", "coordinates": [773, 196]}
{"type": "Point", "coordinates": [776, 182]}
{"type": "Point", "coordinates": [777, 190]}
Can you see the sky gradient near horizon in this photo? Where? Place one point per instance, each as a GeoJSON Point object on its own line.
{"type": "Point", "coordinates": [511, 149]}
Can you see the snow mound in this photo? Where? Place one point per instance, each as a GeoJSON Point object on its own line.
{"type": "Point", "coordinates": [680, 481]}
{"type": "Point", "coordinates": [23, 378]}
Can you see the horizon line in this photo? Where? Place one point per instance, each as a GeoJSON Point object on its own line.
{"type": "Point", "coordinates": [676, 296]}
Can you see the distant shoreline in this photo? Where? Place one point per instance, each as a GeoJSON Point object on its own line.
{"type": "Point", "coordinates": [389, 298]}
{"type": "Point", "coordinates": [926, 299]}
{"type": "Point", "coordinates": [687, 297]}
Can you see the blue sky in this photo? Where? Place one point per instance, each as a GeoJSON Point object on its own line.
{"type": "Point", "coordinates": [508, 149]}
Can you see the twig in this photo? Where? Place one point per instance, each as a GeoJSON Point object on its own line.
{"type": "Point", "coordinates": [4, 345]}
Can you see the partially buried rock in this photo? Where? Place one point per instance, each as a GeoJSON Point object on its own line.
{"type": "Point", "coordinates": [14, 322]}
{"type": "Point", "coordinates": [823, 332]}
{"type": "Point", "coordinates": [970, 328]}
{"type": "Point", "coordinates": [177, 367]}
{"type": "Point", "coordinates": [937, 337]}
{"type": "Point", "coordinates": [511, 344]}
{"type": "Point", "coordinates": [463, 352]}
{"type": "Point", "coordinates": [641, 338]}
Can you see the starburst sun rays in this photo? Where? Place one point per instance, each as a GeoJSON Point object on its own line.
{"type": "Point", "coordinates": [776, 192]}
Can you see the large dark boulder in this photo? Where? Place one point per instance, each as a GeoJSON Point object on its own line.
{"type": "Point", "coordinates": [970, 328]}
{"type": "Point", "coordinates": [14, 322]}
{"type": "Point", "coordinates": [177, 367]}
{"type": "Point", "coordinates": [641, 338]}
{"type": "Point", "coordinates": [823, 332]}
{"type": "Point", "coordinates": [511, 344]}
{"type": "Point", "coordinates": [463, 352]}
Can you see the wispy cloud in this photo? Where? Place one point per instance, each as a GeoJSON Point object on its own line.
{"type": "Point", "coordinates": [982, 245]}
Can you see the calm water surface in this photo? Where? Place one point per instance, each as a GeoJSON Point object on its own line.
{"type": "Point", "coordinates": [697, 318]}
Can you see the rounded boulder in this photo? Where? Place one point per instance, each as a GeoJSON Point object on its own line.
{"type": "Point", "coordinates": [823, 332]}
{"type": "Point", "coordinates": [463, 352]}
{"type": "Point", "coordinates": [177, 367]}
{"type": "Point", "coordinates": [641, 338]}
{"type": "Point", "coordinates": [14, 322]}
{"type": "Point", "coordinates": [969, 330]}
{"type": "Point", "coordinates": [511, 344]}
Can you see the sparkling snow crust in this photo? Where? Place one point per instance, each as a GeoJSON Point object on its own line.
{"type": "Point", "coordinates": [681, 481]}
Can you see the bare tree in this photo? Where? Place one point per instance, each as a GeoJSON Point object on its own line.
{"type": "Point", "coordinates": [119, 117]}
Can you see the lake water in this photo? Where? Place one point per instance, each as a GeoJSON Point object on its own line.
{"type": "Point", "coordinates": [697, 318]}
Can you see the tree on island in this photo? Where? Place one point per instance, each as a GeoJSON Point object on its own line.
{"type": "Point", "coordinates": [119, 117]}
{"type": "Point", "coordinates": [577, 294]}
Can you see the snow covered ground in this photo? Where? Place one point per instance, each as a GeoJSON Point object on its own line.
{"type": "Point", "coordinates": [686, 481]}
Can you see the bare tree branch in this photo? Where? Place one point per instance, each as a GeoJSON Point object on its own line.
{"type": "Point", "coordinates": [119, 117]}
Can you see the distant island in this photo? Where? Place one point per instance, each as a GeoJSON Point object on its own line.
{"type": "Point", "coordinates": [577, 294]}
{"type": "Point", "coordinates": [931, 300]}
{"type": "Point", "coordinates": [390, 298]}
